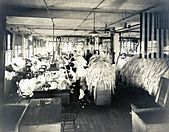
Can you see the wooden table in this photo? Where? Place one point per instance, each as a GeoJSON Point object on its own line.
{"type": "Point", "coordinates": [42, 115]}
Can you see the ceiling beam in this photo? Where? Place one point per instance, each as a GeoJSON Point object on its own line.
{"type": "Point", "coordinates": [49, 27]}
{"type": "Point", "coordinates": [129, 27]}
{"type": "Point", "coordinates": [136, 13]}
{"type": "Point", "coordinates": [56, 13]}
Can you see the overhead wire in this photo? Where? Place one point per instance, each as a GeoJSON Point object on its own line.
{"type": "Point", "coordinates": [53, 25]}
{"type": "Point", "coordinates": [90, 13]}
{"type": "Point", "coordinates": [132, 15]}
{"type": "Point", "coordinates": [49, 14]}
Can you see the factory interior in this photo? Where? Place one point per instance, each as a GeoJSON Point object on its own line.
{"type": "Point", "coordinates": [84, 65]}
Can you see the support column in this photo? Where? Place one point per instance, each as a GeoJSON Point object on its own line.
{"type": "Point", "coordinates": [112, 47]}
{"type": "Point", "coordinates": [145, 34]}
{"type": "Point", "coordinates": [28, 48]}
{"type": "Point", "coordinates": [162, 43]}
{"type": "Point", "coordinates": [158, 42]}
{"type": "Point", "coordinates": [167, 41]}
{"type": "Point", "coordinates": [142, 27]}
{"type": "Point", "coordinates": [2, 56]}
{"type": "Point", "coordinates": [23, 46]}
{"type": "Point", "coordinates": [13, 45]}
{"type": "Point", "coordinates": [152, 35]}
{"type": "Point", "coordinates": [141, 34]}
{"type": "Point", "coordinates": [58, 45]}
{"type": "Point", "coordinates": [33, 47]}
{"type": "Point", "coordinates": [155, 37]}
{"type": "Point", "coordinates": [149, 27]}
{"type": "Point", "coordinates": [38, 50]}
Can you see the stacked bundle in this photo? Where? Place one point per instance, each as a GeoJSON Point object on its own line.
{"type": "Point", "coordinates": [100, 76]}
{"type": "Point", "coordinates": [146, 73]}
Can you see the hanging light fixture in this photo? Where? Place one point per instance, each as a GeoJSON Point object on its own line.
{"type": "Point", "coordinates": [94, 32]}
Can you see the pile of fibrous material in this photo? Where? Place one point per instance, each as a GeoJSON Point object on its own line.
{"type": "Point", "coordinates": [100, 72]}
{"type": "Point", "coordinates": [145, 73]}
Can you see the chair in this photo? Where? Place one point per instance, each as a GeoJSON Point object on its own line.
{"type": "Point", "coordinates": [69, 116]}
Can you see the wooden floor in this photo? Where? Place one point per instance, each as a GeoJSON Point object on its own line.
{"type": "Point", "coordinates": [114, 118]}
{"type": "Point", "coordinates": [104, 119]}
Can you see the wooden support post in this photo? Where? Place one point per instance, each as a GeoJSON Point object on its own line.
{"type": "Point", "coordinates": [150, 35]}
{"type": "Point", "coordinates": [33, 47]}
{"type": "Point", "coordinates": [59, 45]}
{"type": "Point", "coordinates": [2, 56]}
{"type": "Point", "coordinates": [23, 46]}
{"type": "Point", "coordinates": [145, 34]}
{"type": "Point", "coordinates": [36, 45]}
{"type": "Point", "coordinates": [13, 45]}
{"type": "Point", "coordinates": [160, 36]}
{"type": "Point", "coordinates": [158, 41]}
{"type": "Point", "coordinates": [165, 41]}
{"type": "Point", "coordinates": [141, 33]}
{"type": "Point", "coordinates": [162, 43]}
{"type": "Point", "coordinates": [112, 47]}
{"type": "Point", "coordinates": [155, 37]}
{"type": "Point", "coordinates": [121, 43]}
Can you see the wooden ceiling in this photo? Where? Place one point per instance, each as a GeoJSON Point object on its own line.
{"type": "Point", "coordinates": [71, 17]}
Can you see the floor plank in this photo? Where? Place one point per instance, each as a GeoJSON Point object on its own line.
{"type": "Point", "coordinates": [113, 118]}
{"type": "Point", "coordinates": [104, 119]}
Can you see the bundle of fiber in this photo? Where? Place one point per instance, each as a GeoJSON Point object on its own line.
{"type": "Point", "coordinates": [145, 73]}
{"type": "Point", "coordinates": [100, 72]}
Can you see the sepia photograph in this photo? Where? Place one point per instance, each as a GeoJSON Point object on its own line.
{"type": "Point", "coordinates": [84, 65]}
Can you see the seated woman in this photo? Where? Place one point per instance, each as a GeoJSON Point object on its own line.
{"type": "Point", "coordinates": [75, 85]}
{"type": "Point", "coordinates": [27, 85]}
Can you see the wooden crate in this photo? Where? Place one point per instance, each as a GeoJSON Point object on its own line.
{"type": "Point", "coordinates": [160, 102]}
{"type": "Point", "coordinates": [102, 94]}
{"type": "Point", "coordinates": [103, 97]}
{"type": "Point", "coordinates": [152, 116]}
{"type": "Point", "coordinates": [150, 121]}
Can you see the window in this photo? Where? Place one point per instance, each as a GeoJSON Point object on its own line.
{"type": "Point", "coordinates": [8, 53]}
{"type": "Point", "coordinates": [18, 44]}
{"type": "Point", "coordinates": [8, 41]}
